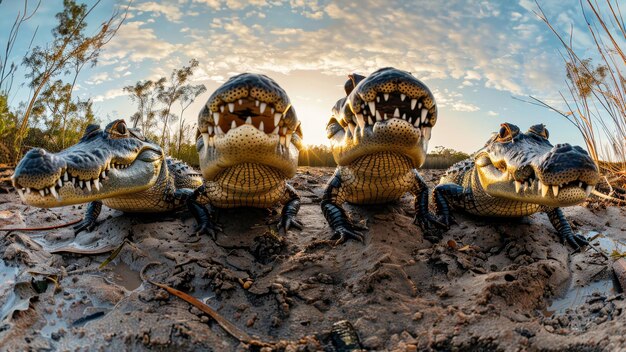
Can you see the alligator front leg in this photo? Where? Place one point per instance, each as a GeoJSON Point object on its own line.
{"type": "Point", "coordinates": [89, 220]}
{"type": "Point", "coordinates": [335, 215]}
{"type": "Point", "coordinates": [423, 217]}
{"type": "Point", "coordinates": [202, 213]}
{"type": "Point", "coordinates": [289, 212]}
{"type": "Point", "coordinates": [562, 226]}
{"type": "Point", "coordinates": [446, 194]}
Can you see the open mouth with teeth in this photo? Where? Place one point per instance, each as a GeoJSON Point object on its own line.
{"type": "Point", "coordinates": [249, 119]}
{"type": "Point", "coordinates": [394, 105]}
{"type": "Point", "coordinates": [247, 111]}
{"type": "Point", "coordinates": [68, 182]}
{"type": "Point", "coordinates": [389, 111]}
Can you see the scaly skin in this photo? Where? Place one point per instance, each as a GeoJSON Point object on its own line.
{"type": "Point", "coordinates": [518, 174]}
{"type": "Point", "coordinates": [116, 166]}
{"type": "Point", "coordinates": [379, 135]}
{"type": "Point", "coordinates": [248, 140]}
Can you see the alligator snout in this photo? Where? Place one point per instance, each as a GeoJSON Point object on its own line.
{"type": "Point", "coordinates": [38, 169]}
{"type": "Point", "coordinates": [565, 163]}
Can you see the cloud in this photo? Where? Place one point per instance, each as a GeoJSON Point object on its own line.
{"type": "Point", "coordinates": [171, 12]}
{"type": "Point", "coordinates": [492, 113]}
{"type": "Point", "coordinates": [98, 78]}
{"type": "Point", "coordinates": [110, 94]}
{"type": "Point", "coordinates": [136, 42]}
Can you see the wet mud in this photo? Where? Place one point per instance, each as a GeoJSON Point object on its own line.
{"type": "Point", "coordinates": [489, 284]}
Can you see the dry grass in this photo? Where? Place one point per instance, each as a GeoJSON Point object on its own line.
{"type": "Point", "coordinates": [596, 97]}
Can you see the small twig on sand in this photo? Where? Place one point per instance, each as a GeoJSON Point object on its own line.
{"type": "Point", "coordinates": [45, 227]}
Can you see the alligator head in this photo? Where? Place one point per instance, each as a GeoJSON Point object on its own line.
{"type": "Point", "coordinates": [103, 164]}
{"type": "Point", "coordinates": [389, 111]}
{"type": "Point", "coordinates": [526, 167]}
{"type": "Point", "coordinates": [249, 119]}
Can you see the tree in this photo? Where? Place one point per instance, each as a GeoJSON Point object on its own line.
{"type": "Point", "coordinates": [70, 50]}
{"type": "Point", "coordinates": [169, 94]}
{"type": "Point", "coordinates": [144, 93]}
{"type": "Point", "coordinates": [189, 94]}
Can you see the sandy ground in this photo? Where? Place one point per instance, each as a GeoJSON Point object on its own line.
{"type": "Point", "coordinates": [488, 285]}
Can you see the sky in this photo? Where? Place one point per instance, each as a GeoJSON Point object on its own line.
{"type": "Point", "coordinates": [480, 58]}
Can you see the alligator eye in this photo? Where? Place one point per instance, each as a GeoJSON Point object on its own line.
{"type": "Point", "coordinates": [121, 128]}
{"type": "Point", "coordinates": [507, 132]}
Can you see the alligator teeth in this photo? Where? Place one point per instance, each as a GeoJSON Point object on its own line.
{"type": "Point", "coordinates": [372, 106]}
{"type": "Point", "coordinates": [96, 184]}
{"type": "Point", "coordinates": [518, 186]}
{"type": "Point", "coordinates": [555, 190]}
{"type": "Point", "coordinates": [369, 120]}
{"type": "Point", "coordinates": [361, 121]}
{"type": "Point", "coordinates": [66, 177]}
{"type": "Point", "coordinates": [272, 111]}
{"type": "Point", "coordinates": [205, 139]}
{"type": "Point", "coordinates": [426, 132]}
{"type": "Point", "coordinates": [256, 103]}
{"type": "Point", "coordinates": [21, 193]}
{"type": "Point", "coordinates": [526, 186]}
{"type": "Point", "coordinates": [404, 116]}
{"type": "Point", "coordinates": [216, 118]}
{"type": "Point", "coordinates": [210, 130]}
{"type": "Point", "coordinates": [277, 117]}
{"type": "Point", "coordinates": [262, 107]}
{"type": "Point", "coordinates": [42, 193]}
{"type": "Point", "coordinates": [262, 126]}
{"type": "Point", "coordinates": [233, 124]}
{"type": "Point", "coordinates": [275, 131]}
{"type": "Point", "coordinates": [54, 193]}
{"type": "Point", "coordinates": [104, 174]}
{"type": "Point", "coordinates": [248, 120]}
{"type": "Point", "coordinates": [284, 131]}
{"type": "Point", "coordinates": [240, 101]}
{"type": "Point", "coordinates": [413, 103]}
{"type": "Point", "coordinates": [351, 127]}
{"type": "Point", "coordinates": [378, 99]}
{"type": "Point", "coordinates": [211, 142]}
{"type": "Point", "coordinates": [222, 108]}
{"type": "Point", "coordinates": [580, 184]}
{"type": "Point", "coordinates": [218, 131]}
{"type": "Point", "coordinates": [231, 107]}
{"type": "Point", "coordinates": [281, 140]}
{"type": "Point", "coordinates": [378, 117]}
{"type": "Point", "coordinates": [396, 113]}
{"type": "Point", "coordinates": [287, 139]}
{"type": "Point", "coordinates": [386, 96]}
{"type": "Point", "coordinates": [385, 116]}
{"type": "Point", "coordinates": [60, 183]}
{"type": "Point", "coordinates": [416, 123]}
{"type": "Point", "coordinates": [589, 189]}
{"type": "Point", "coordinates": [419, 106]}
{"type": "Point", "coordinates": [81, 183]}
{"type": "Point", "coordinates": [88, 184]}
{"type": "Point", "coordinates": [28, 190]}
{"type": "Point", "coordinates": [424, 114]}
{"type": "Point", "coordinates": [544, 189]}
{"type": "Point", "coordinates": [402, 97]}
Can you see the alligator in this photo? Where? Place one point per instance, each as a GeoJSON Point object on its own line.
{"type": "Point", "coordinates": [116, 166]}
{"type": "Point", "coordinates": [379, 135]}
{"type": "Point", "coordinates": [517, 174]}
{"type": "Point", "coordinates": [248, 141]}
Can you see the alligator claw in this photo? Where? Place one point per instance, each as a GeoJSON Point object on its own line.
{"type": "Point", "coordinates": [286, 222]}
{"type": "Point", "coordinates": [208, 228]}
{"type": "Point", "coordinates": [85, 224]}
{"type": "Point", "coordinates": [576, 241]}
{"type": "Point", "coordinates": [429, 222]}
{"type": "Point", "coordinates": [342, 234]}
